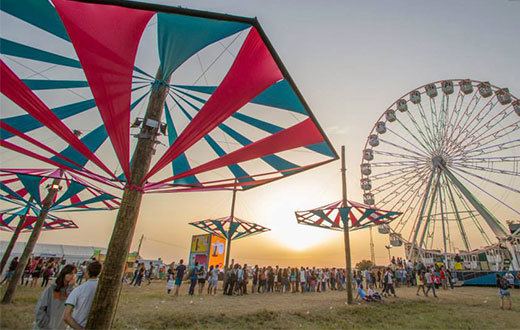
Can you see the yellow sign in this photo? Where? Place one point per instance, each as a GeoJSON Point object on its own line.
{"type": "Point", "coordinates": [200, 243]}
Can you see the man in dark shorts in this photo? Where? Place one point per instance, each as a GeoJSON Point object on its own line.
{"type": "Point", "coordinates": [179, 275]}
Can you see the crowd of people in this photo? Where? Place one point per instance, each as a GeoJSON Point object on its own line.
{"type": "Point", "coordinates": [243, 279]}
{"type": "Point", "coordinates": [68, 299]}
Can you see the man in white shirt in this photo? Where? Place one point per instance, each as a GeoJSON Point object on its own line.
{"type": "Point", "coordinates": [79, 302]}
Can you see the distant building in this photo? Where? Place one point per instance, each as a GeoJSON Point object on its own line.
{"type": "Point", "coordinates": [71, 253]}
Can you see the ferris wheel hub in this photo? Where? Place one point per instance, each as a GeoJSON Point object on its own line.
{"type": "Point", "coordinates": [438, 162]}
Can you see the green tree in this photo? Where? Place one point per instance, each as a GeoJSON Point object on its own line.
{"type": "Point", "coordinates": [364, 265]}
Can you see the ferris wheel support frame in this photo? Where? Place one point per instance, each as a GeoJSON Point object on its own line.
{"type": "Point", "coordinates": [430, 208]}
{"type": "Point", "coordinates": [459, 220]}
{"type": "Point", "coordinates": [419, 221]}
{"type": "Point", "coordinates": [490, 219]}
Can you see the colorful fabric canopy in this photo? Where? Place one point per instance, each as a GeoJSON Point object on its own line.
{"type": "Point", "coordinates": [334, 215]}
{"type": "Point", "coordinates": [224, 228]}
{"type": "Point", "coordinates": [233, 116]}
{"type": "Point", "coordinates": [9, 220]}
{"type": "Point", "coordinates": [29, 187]}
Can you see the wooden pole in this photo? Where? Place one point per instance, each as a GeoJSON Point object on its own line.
{"type": "Point", "coordinates": [139, 246]}
{"type": "Point", "coordinates": [228, 240]}
{"type": "Point", "coordinates": [31, 243]}
{"type": "Point", "coordinates": [110, 280]}
{"type": "Point", "coordinates": [14, 238]}
{"type": "Point", "coordinates": [372, 250]}
{"type": "Point", "coordinates": [346, 235]}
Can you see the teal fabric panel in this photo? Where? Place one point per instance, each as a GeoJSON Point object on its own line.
{"type": "Point", "coordinates": [240, 235]}
{"type": "Point", "coordinates": [237, 171]}
{"type": "Point", "coordinates": [180, 164]}
{"type": "Point", "coordinates": [181, 36]}
{"type": "Point", "coordinates": [42, 84]}
{"type": "Point", "coordinates": [232, 229]}
{"type": "Point", "coordinates": [11, 192]}
{"type": "Point", "coordinates": [220, 228]}
{"type": "Point", "coordinates": [32, 184]}
{"type": "Point", "coordinates": [366, 214]}
{"type": "Point", "coordinates": [39, 13]}
{"type": "Point", "coordinates": [321, 214]}
{"type": "Point", "coordinates": [100, 198]}
{"type": "Point", "coordinates": [322, 148]}
{"type": "Point", "coordinates": [26, 123]}
{"type": "Point", "coordinates": [344, 211]}
{"type": "Point", "coordinates": [92, 140]}
{"type": "Point", "coordinates": [274, 161]}
{"type": "Point", "coordinates": [280, 95]}
{"type": "Point", "coordinates": [16, 49]}
{"type": "Point", "coordinates": [73, 189]}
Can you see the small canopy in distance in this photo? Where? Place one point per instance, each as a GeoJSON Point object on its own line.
{"type": "Point", "coordinates": [223, 227]}
{"type": "Point", "coordinates": [333, 216]}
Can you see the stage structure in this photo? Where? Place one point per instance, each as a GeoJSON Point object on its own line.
{"type": "Point", "coordinates": [229, 229]}
{"type": "Point", "coordinates": [446, 155]}
{"type": "Point", "coordinates": [201, 94]}
{"type": "Point", "coordinates": [42, 191]}
{"type": "Point", "coordinates": [345, 216]}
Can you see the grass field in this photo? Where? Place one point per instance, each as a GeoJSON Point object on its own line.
{"type": "Point", "coordinates": [149, 307]}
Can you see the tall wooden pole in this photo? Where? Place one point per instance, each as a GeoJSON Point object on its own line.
{"type": "Point", "coordinates": [110, 280]}
{"type": "Point", "coordinates": [372, 251]}
{"type": "Point", "coordinates": [31, 243]}
{"type": "Point", "coordinates": [346, 235]}
{"type": "Point", "coordinates": [228, 240]}
{"type": "Point", "coordinates": [14, 238]}
{"type": "Point", "coordinates": [139, 246]}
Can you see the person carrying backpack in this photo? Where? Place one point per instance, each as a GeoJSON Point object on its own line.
{"type": "Point", "coordinates": [503, 292]}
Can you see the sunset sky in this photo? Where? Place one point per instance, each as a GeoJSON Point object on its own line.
{"type": "Point", "coordinates": [350, 60]}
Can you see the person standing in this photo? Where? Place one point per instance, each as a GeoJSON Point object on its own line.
{"type": "Point", "coordinates": [79, 302]}
{"type": "Point", "coordinates": [503, 292]}
{"type": "Point", "coordinates": [47, 272]}
{"type": "Point", "coordinates": [390, 282]}
{"type": "Point", "coordinates": [442, 275]}
{"type": "Point", "coordinates": [170, 282]}
{"type": "Point", "coordinates": [430, 282]}
{"type": "Point", "coordinates": [10, 270]}
{"type": "Point", "coordinates": [179, 276]}
{"type": "Point", "coordinates": [193, 278]}
{"type": "Point", "coordinates": [201, 278]}
{"type": "Point", "coordinates": [50, 307]}
{"type": "Point", "coordinates": [420, 283]}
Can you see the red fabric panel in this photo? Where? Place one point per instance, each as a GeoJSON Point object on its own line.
{"type": "Point", "coordinates": [301, 134]}
{"type": "Point", "coordinates": [19, 93]}
{"type": "Point", "coordinates": [14, 131]}
{"type": "Point", "coordinates": [106, 39]}
{"type": "Point", "coordinates": [9, 145]}
{"type": "Point", "coordinates": [253, 70]}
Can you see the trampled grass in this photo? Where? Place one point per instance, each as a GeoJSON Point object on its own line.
{"type": "Point", "coordinates": [149, 307]}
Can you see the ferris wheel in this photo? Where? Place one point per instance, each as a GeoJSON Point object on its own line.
{"type": "Point", "coordinates": [446, 155]}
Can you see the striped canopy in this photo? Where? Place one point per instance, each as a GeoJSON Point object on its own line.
{"type": "Point", "coordinates": [233, 115]}
{"type": "Point", "coordinates": [223, 227]}
{"type": "Point", "coordinates": [9, 220]}
{"type": "Point", "coordinates": [29, 187]}
{"type": "Point", "coordinates": [334, 215]}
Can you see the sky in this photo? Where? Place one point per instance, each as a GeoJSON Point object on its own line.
{"type": "Point", "coordinates": [350, 60]}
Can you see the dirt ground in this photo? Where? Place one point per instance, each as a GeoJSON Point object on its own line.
{"type": "Point", "coordinates": [149, 307]}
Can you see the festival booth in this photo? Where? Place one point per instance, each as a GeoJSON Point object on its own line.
{"type": "Point", "coordinates": [210, 249]}
{"type": "Point", "coordinates": [207, 250]}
